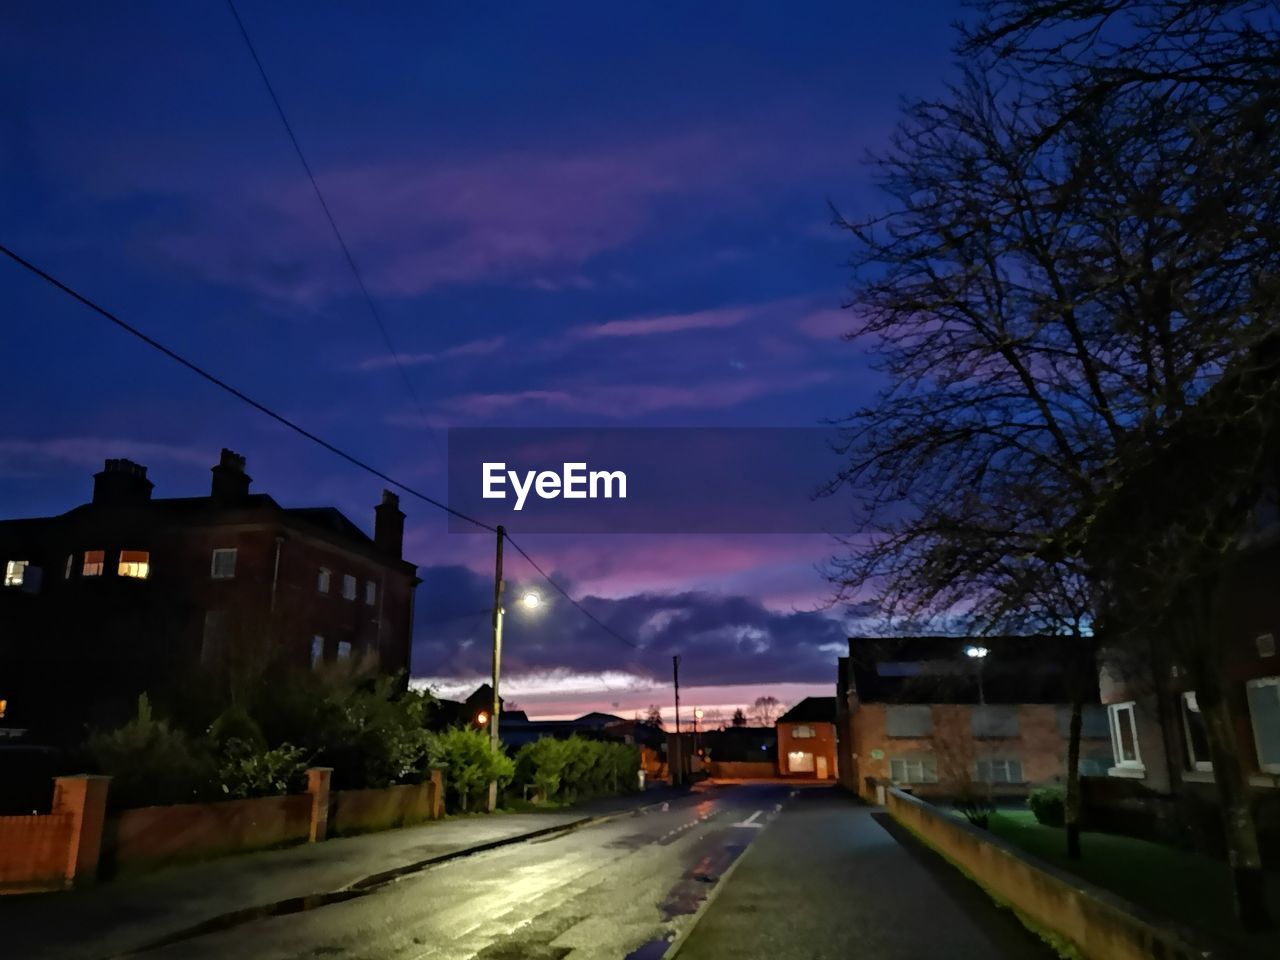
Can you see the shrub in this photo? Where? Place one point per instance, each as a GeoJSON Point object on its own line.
{"type": "Point", "coordinates": [1049, 806]}
{"type": "Point", "coordinates": [151, 763]}
{"type": "Point", "coordinates": [576, 768]}
{"type": "Point", "coordinates": [976, 809]}
{"type": "Point", "coordinates": [248, 770]}
{"type": "Point", "coordinates": [471, 764]}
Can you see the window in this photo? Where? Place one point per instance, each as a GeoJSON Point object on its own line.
{"type": "Point", "coordinates": [14, 571]}
{"type": "Point", "coordinates": [71, 560]}
{"type": "Point", "coordinates": [802, 732]}
{"type": "Point", "coordinates": [317, 651]}
{"type": "Point", "coordinates": [348, 587]}
{"type": "Point", "coordinates": [322, 581]}
{"type": "Point", "coordinates": [223, 564]}
{"type": "Point", "coordinates": [999, 770]}
{"type": "Point", "coordinates": [1093, 722]}
{"type": "Point", "coordinates": [1195, 733]}
{"type": "Point", "coordinates": [1093, 766]}
{"type": "Point", "coordinates": [800, 762]}
{"type": "Point", "coordinates": [998, 721]}
{"type": "Point", "coordinates": [1124, 735]}
{"type": "Point", "coordinates": [913, 769]}
{"type": "Point", "coordinates": [1264, 712]}
{"type": "Point", "coordinates": [908, 720]}
{"type": "Point", "coordinates": [134, 563]}
{"type": "Point", "coordinates": [370, 593]}
{"type": "Point", "coordinates": [344, 650]}
{"type": "Point", "coordinates": [94, 560]}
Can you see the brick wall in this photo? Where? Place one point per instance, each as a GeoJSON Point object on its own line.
{"type": "Point", "coordinates": [34, 852]}
{"type": "Point", "coordinates": [742, 770]}
{"type": "Point", "coordinates": [822, 744]}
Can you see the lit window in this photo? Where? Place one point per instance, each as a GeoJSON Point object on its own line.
{"type": "Point", "coordinates": [348, 587]}
{"type": "Point", "coordinates": [802, 732]}
{"type": "Point", "coordinates": [800, 762]}
{"type": "Point", "coordinates": [344, 650]}
{"type": "Point", "coordinates": [317, 651]}
{"type": "Point", "coordinates": [14, 571]}
{"type": "Point", "coordinates": [1124, 735]}
{"type": "Point", "coordinates": [134, 563]}
{"type": "Point", "coordinates": [93, 563]}
{"type": "Point", "coordinates": [322, 581]}
{"type": "Point", "coordinates": [913, 769]}
{"type": "Point", "coordinates": [71, 560]}
{"type": "Point", "coordinates": [999, 770]}
{"type": "Point", "coordinates": [223, 564]}
{"type": "Point", "coordinates": [1195, 733]}
{"type": "Point", "coordinates": [370, 593]}
{"type": "Point", "coordinates": [1264, 712]}
{"type": "Point", "coordinates": [4, 708]}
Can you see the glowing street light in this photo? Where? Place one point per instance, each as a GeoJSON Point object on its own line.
{"type": "Point", "coordinates": [979, 654]}
{"type": "Point", "coordinates": [531, 600]}
{"type": "Point", "coordinates": [976, 653]}
{"type": "Point", "coordinates": [482, 718]}
{"type": "Point", "coordinates": [698, 713]}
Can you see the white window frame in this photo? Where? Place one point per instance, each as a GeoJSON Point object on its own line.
{"type": "Point", "coordinates": [1187, 700]}
{"type": "Point", "coordinates": [15, 572]}
{"type": "Point", "coordinates": [344, 650]}
{"type": "Point", "coordinates": [317, 652]}
{"type": "Point", "coordinates": [348, 587]}
{"type": "Point", "coordinates": [1253, 722]}
{"type": "Point", "coordinates": [1114, 710]}
{"type": "Point", "coordinates": [233, 553]}
{"type": "Point", "coordinates": [926, 767]}
{"type": "Point", "coordinates": [803, 731]}
{"type": "Point", "coordinates": [1008, 765]}
{"type": "Point", "coordinates": [323, 580]}
{"type": "Point", "coordinates": [94, 568]}
{"type": "Point", "coordinates": [71, 562]}
{"type": "Point", "coordinates": [370, 593]}
{"type": "Point", "coordinates": [135, 569]}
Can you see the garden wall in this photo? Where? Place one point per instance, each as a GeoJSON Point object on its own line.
{"type": "Point", "coordinates": [1100, 925]}
{"type": "Point", "coordinates": [361, 811]}
{"type": "Point", "coordinates": [742, 769]}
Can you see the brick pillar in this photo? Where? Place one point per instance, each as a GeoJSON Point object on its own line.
{"type": "Point", "coordinates": [318, 786]}
{"type": "Point", "coordinates": [84, 798]}
{"type": "Point", "coordinates": [435, 794]}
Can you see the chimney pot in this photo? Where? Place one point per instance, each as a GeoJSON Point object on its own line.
{"type": "Point", "coordinates": [388, 526]}
{"type": "Point", "coordinates": [121, 482]}
{"type": "Point", "coordinates": [230, 482]}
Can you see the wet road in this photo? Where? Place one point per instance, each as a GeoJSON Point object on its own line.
{"type": "Point", "coordinates": [615, 890]}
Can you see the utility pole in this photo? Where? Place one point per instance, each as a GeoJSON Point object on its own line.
{"type": "Point", "coordinates": [494, 745]}
{"type": "Point", "coordinates": [677, 768]}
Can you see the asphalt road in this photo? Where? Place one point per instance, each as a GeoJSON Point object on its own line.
{"type": "Point", "coordinates": [616, 890]}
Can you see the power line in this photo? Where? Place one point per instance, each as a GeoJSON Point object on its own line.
{"type": "Point", "coordinates": [333, 223]}
{"type": "Point", "coordinates": [295, 427]}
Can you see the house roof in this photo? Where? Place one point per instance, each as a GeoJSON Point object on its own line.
{"type": "Point", "coordinates": [811, 710]}
{"type": "Point", "coordinates": [1015, 669]}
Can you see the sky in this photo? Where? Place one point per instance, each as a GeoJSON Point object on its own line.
{"type": "Point", "coordinates": [568, 215]}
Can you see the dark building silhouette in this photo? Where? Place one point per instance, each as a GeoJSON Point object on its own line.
{"type": "Point", "coordinates": [189, 599]}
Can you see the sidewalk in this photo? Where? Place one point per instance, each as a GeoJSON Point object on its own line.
{"type": "Point", "coordinates": [115, 918]}
{"type": "Point", "coordinates": [827, 879]}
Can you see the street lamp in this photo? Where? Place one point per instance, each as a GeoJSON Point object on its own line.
{"type": "Point", "coordinates": [531, 600]}
{"type": "Point", "coordinates": [980, 654]}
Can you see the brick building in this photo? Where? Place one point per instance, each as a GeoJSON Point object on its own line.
{"type": "Point", "coordinates": [189, 598]}
{"type": "Point", "coordinates": [924, 713]}
{"type": "Point", "coordinates": [807, 739]}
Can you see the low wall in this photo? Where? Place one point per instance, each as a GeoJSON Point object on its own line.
{"type": "Point", "coordinates": [147, 837]}
{"type": "Point", "coordinates": [1099, 924]}
{"type": "Point", "coordinates": [35, 852]}
{"type": "Point", "coordinates": [362, 811]}
{"type": "Point", "coordinates": [741, 769]}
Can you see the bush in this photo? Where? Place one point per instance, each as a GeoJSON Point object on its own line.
{"type": "Point", "coordinates": [576, 768]}
{"type": "Point", "coordinates": [151, 763]}
{"type": "Point", "coordinates": [248, 770]}
{"type": "Point", "coordinates": [1049, 806]}
{"type": "Point", "coordinates": [976, 809]}
{"type": "Point", "coordinates": [471, 764]}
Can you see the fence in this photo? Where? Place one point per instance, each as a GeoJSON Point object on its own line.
{"type": "Point", "coordinates": [76, 843]}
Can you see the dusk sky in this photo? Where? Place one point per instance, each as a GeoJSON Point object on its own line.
{"type": "Point", "coordinates": [568, 214]}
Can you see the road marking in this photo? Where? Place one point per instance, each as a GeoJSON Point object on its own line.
{"type": "Point", "coordinates": [751, 821]}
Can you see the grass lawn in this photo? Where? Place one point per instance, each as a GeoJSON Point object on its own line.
{"type": "Point", "coordinates": [1185, 887]}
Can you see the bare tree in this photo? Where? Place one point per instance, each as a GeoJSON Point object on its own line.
{"type": "Point", "coordinates": [765, 711]}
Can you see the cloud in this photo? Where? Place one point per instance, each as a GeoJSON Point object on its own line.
{"type": "Point", "coordinates": [21, 456]}
{"type": "Point", "coordinates": [668, 323]}
{"type": "Point", "coordinates": [472, 348]}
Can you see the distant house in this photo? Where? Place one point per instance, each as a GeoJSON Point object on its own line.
{"type": "Point", "coordinates": [807, 739]}
{"type": "Point", "coordinates": [929, 714]}
{"type": "Point", "coordinates": [189, 598]}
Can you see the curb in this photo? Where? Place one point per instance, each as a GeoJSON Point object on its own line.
{"type": "Point", "coordinates": [679, 942]}
{"type": "Point", "coordinates": [371, 883]}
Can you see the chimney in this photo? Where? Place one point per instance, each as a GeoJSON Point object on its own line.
{"type": "Point", "coordinates": [121, 482]}
{"type": "Point", "coordinates": [230, 482]}
{"type": "Point", "coordinates": [388, 526]}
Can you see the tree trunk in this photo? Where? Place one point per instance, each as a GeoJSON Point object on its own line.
{"type": "Point", "coordinates": [1212, 696]}
{"type": "Point", "coordinates": [1073, 776]}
